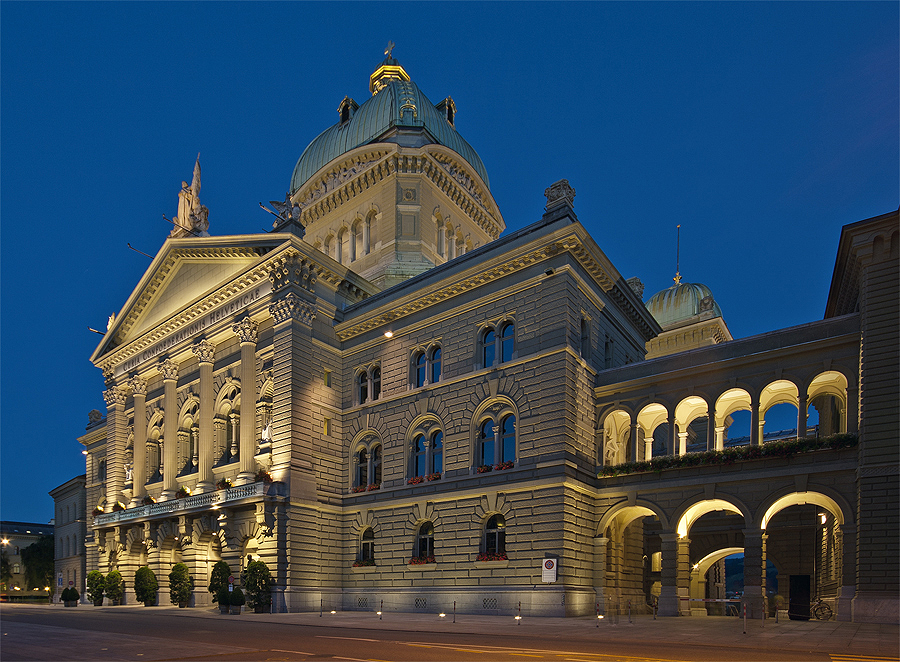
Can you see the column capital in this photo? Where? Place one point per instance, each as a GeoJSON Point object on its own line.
{"type": "Point", "coordinates": [138, 385]}
{"type": "Point", "coordinates": [115, 396]}
{"type": "Point", "coordinates": [205, 351]}
{"type": "Point", "coordinates": [293, 307]}
{"type": "Point", "coordinates": [246, 330]}
{"type": "Point", "coordinates": [169, 369]}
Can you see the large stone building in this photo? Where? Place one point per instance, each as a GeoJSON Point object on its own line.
{"type": "Point", "coordinates": [387, 399]}
{"type": "Point", "coordinates": [70, 530]}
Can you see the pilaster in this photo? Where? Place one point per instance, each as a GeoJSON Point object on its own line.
{"type": "Point", "coordinates": [206, 353]}
{"type": "Point", "coordinates": [139, 477]}
{"type": "Point", "coordinates": [169, 370]}
{"type": "Point", "coordinates": [247, 332]}
{"type": "Point", "coordinates": [116, 439]}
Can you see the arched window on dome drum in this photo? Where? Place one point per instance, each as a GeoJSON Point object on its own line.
{"type": "Point", "coordinates": [367, 547]}
{"type": "Point", "coordinates": [343, 247]}
{"type": "Point", "coordinates": [495, 535]}
{"type": "Point", "coordinates": [437, 452]}
{"type": "Point", "coordinates": [328, 246]}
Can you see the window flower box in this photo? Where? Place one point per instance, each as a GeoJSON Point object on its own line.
{"type": "Point", "coordinates": [365, 563]}
{"type": "Point", "coordinates": [97, 511]}
{"type": "Point", "coordinates": [435, 476]}
{"type": "Point", "coordinates": [373, 487]}
{"type": "Point", "coordinates": [263, 476]}
{"type": "Point", "coordinates": [422, 560]}
{"type": "Point", "coordinates": [118, 506]}
{"type": "Point", "coordinates": [504, 466]}
{"type": "Point", "coordinates": [148, 500]}
{"type": "Point", "coordinates": [223, 484]}
{"type": "Point", "coordinates": [358, 488]}
{"type": "Point", "coordinates": [484, 468]}
{"type": "Point", "coordinates": [416, 480]}
{"type": "Point", "coordinates": [485, 556]}
{"type": "Point", "coordinates": [182, 493]}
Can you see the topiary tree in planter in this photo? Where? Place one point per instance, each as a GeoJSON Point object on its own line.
{"type": "Point", "coordinates": [115, 586]}
{"type": "Point", "coordinates": [96, 584]}
{"type": "Point", "coordinates": [70, 597]}
{"type": "Point", "coordinates": [181, 585]}
{"type": "Point", "coordinates": [219, 578]}
{"type": "Point", "coordinates": [257, 581]}
{"type": "Point", "coordinates": [223, 597]}
{"type": "Point", "coordinates": [145, 586]}
{"type": "Point", "coordinates": [237, 600]}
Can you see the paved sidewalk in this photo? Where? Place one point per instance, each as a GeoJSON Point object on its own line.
{"type": "Point", "coordinates": [866, 640]}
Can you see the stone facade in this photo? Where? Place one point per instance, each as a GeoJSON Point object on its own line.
{"type": "Point", "coordinates": [70, 530]}
{"type": "Point", "coordinates": [403, 425]}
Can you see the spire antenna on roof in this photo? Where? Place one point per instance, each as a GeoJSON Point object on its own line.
{"type": "Point", "coordinates": [389, 49]}
{"type": "Point", "coordinates": [678, 256]}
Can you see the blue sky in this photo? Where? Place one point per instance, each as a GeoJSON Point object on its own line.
{"type": "Point", "coordinates": [761, 128]}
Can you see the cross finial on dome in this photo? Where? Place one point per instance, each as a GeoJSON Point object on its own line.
{"type": "Point", "coordinates": [677, 278]}
{"type": "Point", "coordinates": [389, 49]}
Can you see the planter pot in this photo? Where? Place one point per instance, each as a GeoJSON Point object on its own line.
{"type": "Point", "coordinates": [224, 609]}
{"type": "Point", "coordinates": [236, 610]}
{"type": "Point", "coordinates": [182, 605]}
{"type": "Point", "coordinates": [71, 603]}
{"type": "Point", "coordinates": [149, 603]}
{"type": "Point", "coordinates": [98, 603]}
{"type": "Point", "coordinates": [115, 603]}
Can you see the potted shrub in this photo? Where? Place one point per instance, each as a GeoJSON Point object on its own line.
{"type": "Point", "coordinates": [223, 597]}
{"type": "Point", "coordinates": [257, 581]}
{"type": "Point", "coordinates": [181, 585]}
{"type": "Point", "coordinates": [223, 484]}
{"type": "Point", "coordinates": [237, 600]}
{"type": "Point", "coordinates": [70, 597]}
{"type": "Point", "coordinates": [145, 586]}
{"type": "Point", "coordinates": [96, 583]}
{"type": "Point", "coordinates": [115, 586]}
{"type": "Point", "coordinates": [182, 492]}
{"type": "Point", "coordinates": [219, 579]}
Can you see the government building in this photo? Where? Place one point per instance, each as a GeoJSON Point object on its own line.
{"type": "Point", "coordinates": [396, 404]}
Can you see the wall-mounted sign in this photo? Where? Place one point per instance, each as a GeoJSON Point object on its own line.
{"type": "Point", "coordinates": [548, 571]}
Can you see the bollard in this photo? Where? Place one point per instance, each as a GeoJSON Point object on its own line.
{"type": "Point", "coordinates": [519, 615]}
{"type": "Point", "coordinates": [629, 611]}
{"type": "Point", "coordinates": [454, 611]}
{"type": "Point", "coordinates": [776, 614]}
{"type": "Point", "coordinates": [320, 607]}
{"type": "Point", "coordinates": [598, 614]}
{"type": "Point", "coordinates": [745, 618]}
{"type": "Point", "coordinates": [382, 610]}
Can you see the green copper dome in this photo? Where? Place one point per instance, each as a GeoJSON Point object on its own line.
{"type": "Point", "coordinates": [398, 112]}
{"type": "Point", "coordinates": [683, 303]}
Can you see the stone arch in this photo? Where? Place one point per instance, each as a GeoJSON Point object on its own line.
{"type": "Point", "coordinates": [693, 510]}
{"type": "Point", "coordinates": [818, 495]}
{"type": "Point", "coordinates": [626, 511]}
{"type": "Point", "coordinates": [649, 418]}
{"type": "Point", "coordinates": [827, 394]}
{"type": "Point", "coordinates": [616, 437]}
{"type": "Point", "coordinates": [367, 440]}
{"type": "Point", "coordinates": [776, 392]}
{"type": "Point", "coordinates": [687, 411]}
{"type": "Point", "coordinates": [365, 519]}
{"type": "Point", "coordinates": [426, 423]}
{"type": "Point", "coordinates": [701, 567]}
{"type": "Point", "coordinates": [491, 503]}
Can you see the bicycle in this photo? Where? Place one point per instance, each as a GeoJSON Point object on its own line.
{"type": "Point", "coordinates": [821, 611]}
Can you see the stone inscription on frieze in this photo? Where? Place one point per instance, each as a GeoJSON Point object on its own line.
{"type": "Point", "coordinates": [220, 314]}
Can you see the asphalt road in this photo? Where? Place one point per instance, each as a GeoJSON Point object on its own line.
{"type": "Point", "coordinates": [54, 633]}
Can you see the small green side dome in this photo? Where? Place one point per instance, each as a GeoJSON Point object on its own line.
{"type": "Point", "coordinates": [683, 303]}
{"type": "Point", "coordinates": [397, 112]}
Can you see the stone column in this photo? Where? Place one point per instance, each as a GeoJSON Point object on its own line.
{"type": "Point", "coordinates": [169, 371]}
{"type": "Point", "coordinates": [754, 573]}
{"type": "Point", "coordinates": [648, 445]}
{"type": "Point", "coordinates": [682, 442]}
{"type": "Point", "coordinates": [802, 410]}
{"type": "Point", "coordinates": [851, 416]}
{"type": "Point", "coordinates": [247, 331]}
{"type": "Point", "coordinates": [496, 430]}
{"type": "Point", "coordinates": [600, 543]}
{"type": "Point", "coordinates": [206, 353]}
{"type": "Point", "coordinates": [711, 432]}
{"type": "Point", "coordinates": [635, 442]}
{"type": "Point", "coordinates": [845, 540]}
{"type": "Point", "coordinates": [116, 438]}
{"type": "Point", "coordinates": [139, 477]}
{"type": "Point", "coordinates": [668, 596]}
{"type": "Point", "coordinates": [673, 435]}
{"type": "Point", "coordinates": [755, 425]}
{"type": "Point", "coordinates": [720, 437]}
{"type": "Point", "coordinates": [683, 576]}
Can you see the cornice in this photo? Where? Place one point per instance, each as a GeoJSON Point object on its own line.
{"type": "Point", "coordinates": [365, 167]}
{"type": "Point", "coordinates": [394, 309]}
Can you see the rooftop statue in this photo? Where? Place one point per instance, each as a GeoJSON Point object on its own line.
{"type": "Point", "coordinates": [192, 218]}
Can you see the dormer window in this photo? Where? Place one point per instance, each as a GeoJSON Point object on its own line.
{"type": "Point", "coordinates": [346, 109]}
{"type": "Point", "coordinates": [448, 110]}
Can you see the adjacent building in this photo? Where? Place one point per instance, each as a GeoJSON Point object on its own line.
{"type": "Point", "coordinates": [390, 401]}
{"type": "Point", "coordinates": [15, 537]}
{"type": "Point", "coordinates": [69, 504]}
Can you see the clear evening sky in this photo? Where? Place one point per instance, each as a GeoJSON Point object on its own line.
{"type": "Point", "coordinates": [761, 128]}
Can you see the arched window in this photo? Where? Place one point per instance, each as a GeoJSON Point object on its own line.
{"type": "Point", "coordinates": [101, 470]}
{"type": "Point", "coordinates": [357, 250]}
{"type": "Point", "coordinates": [488, 348]}
{"type": "Point", "coordinates": [420, 456]}
{"type": "Point", "coordinates": [585, 345]}
{"type": "Point", "coordinates": [425, 542]}
{"type": "Point", "coordinates": [508, 439]}
{"type": "Point", "coordinates": [362, 468]}
{"type": "Point", "coordinates": [367, 546]}
{"type": "Point", "coordinates": [420, 369]}
{"type": "Point", "coordinates": [451, 243]}
{"type": "Point", "coordinates": [344, 247]}
{"type": "Point", "coordinates": [435, 371]}
{"type": "Point", "coordinates": [369, 233]}
{"type": "Point", "coordinates": [329, 241]}
{"type": "Point", "coordinates": [363, 385]}
{"type": "Point", "coordinates": [495, 536]}
{"type": "Point", "coordinates": [376, 383]}
{"type": "Point", "coordinates": [376, 465]}
{"type": "Point", "coordinates": [507, 342]}
{"type": "Point", "coordinates": [437, 452]}
{"type": "Point", "coordinates": [485, 453]}
{"type": "Point", "coordinates": [442, 241]}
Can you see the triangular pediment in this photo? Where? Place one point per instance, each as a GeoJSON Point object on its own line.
{"type": "Point", "coordinates": [184, 271]}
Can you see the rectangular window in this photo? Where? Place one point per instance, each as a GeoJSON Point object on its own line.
{"type": "Point", "coordinates": [327, 378]}
{"type": "Point", "coordinates": [326, 427]}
